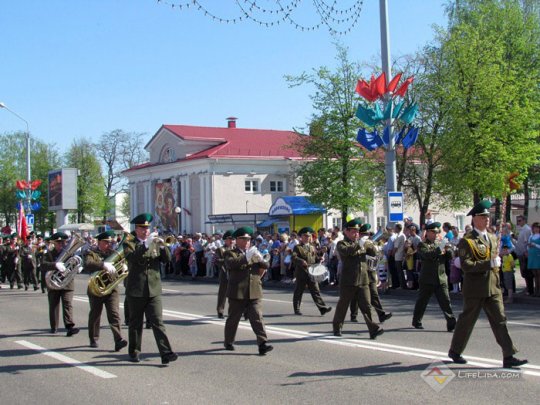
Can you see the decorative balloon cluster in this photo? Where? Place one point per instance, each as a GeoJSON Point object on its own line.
{"type": "Point", "coordinates": [395, 108]}
{"type": "Point", "coordinates": [27, 190]}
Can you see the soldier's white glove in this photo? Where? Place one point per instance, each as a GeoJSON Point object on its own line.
{"type": "Point", "coordinates": [109, 267]}
{"type": "Point", "coordinates": [61, 267]}
{"type": "Point", "coordinates": [79, 269]}
{"type": "Point", "coordinates": [124, 267]}
{"type": "Point", "coordinates": [496, 263]}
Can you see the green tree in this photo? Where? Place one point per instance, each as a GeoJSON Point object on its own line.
{"type": "Point", "coordinates": [492, 53]}
{"type": "Point", "coordinates": [336, 172]}
{"type": "Point", "coordinates": [90, 185]}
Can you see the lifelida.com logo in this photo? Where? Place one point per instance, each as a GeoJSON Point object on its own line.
{"type": "Point", "coordinates": [437, 375]}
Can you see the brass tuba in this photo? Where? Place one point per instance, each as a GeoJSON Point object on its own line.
{"type": "Point", "coordinates": [58, 280]}
{"type": "Point", "coordinates": [102, 282]}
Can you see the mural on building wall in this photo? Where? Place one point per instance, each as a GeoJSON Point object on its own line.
{"type": "Point", "coordinates": [167, 219]}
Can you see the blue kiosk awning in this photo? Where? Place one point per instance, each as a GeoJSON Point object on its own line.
{"type": "Point", "coordinates": [294, 205]}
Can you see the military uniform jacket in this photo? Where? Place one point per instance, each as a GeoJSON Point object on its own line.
{"type": "Point", "coordinates": [433, 263]}
{"type": "Point", "coordinates": [303, 254]}
{"type": "Point", "coordinates": [49, 264]}
{"type": "Point", "coordinates": [93, 260]}
{"type": "Point", "coordinates": [353, 257]}
{"type": "Point", "coordinates": [27, 257]}
{"type": "Point", "coordinates": [10, 253]}
{"type": "Point", "coordinates": [144, 277]}
{"type": "Point", "coordinates": [475, 254]}
{"type": "Point", "coordinates": [244, 279]}
{"type": "Point", "coordinates": [220, 258]}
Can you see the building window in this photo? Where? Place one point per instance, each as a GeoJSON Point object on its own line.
{"type": "Point", "coordinates": [251, 186]}
{"type": "Point", "coordinates": [336, 221]}
{"type": "Point", "coordinates": [460, 221]}
{"type": "Point", "coordinates": [276, 186]}
{"type": "Point", "coordinates": [381, 223]}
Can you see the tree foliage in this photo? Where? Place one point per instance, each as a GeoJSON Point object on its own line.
{"type": "Point", "coordinates": [336, 172]}
{"type": "Point", "coordinates": [90, 186]}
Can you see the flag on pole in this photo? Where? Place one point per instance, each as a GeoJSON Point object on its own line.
{"type": "Point", "coordinates": [22, 228]}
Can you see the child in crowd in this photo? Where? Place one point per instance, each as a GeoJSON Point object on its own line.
{"type": "Point", "coordinates": [382, 273]}
{"type": "Point", "coordinates": [275, 265]}
{"type": "Point", "coordinates": [508, 268]}
{"type": "Point", "coordinates": [455, 273]}
{"type": "Point", "coordinates": [192, 263]}
{"type": "Point", "coordinates": [288, 262]}
{"type": "Point", "coordinates": [409, 262]}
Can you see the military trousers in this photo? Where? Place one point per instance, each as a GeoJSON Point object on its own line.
{"type": "Point", "coordinates": [112, 308]}
{"type": "Point", "coordinates": [374, 300]}
{"type": "Point", "coordinates": [346, 295]}
{"type": "Point", "coordinates": [66, 297]}
{"type": "Point", "coordinates": [493, 307]}
{"type": "Point", "coordinates": [152, 308]}
{"type": "Point", "coordinates": [222, 291]}
{"type": "Point", "coordinates": [253, 308]}
{"type": "Point", "coordinates": [14, 276]}
{"type": "Point", "coordinates": [29, 275]}
{"type": "Point", "coordinates": [302, 279]}
{"type": "Point", "coordinates": [424, 294]}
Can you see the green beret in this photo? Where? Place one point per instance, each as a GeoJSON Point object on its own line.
{"type": "Point", "coordinates": [244, 232]}
{"type": "Point", "coordinates": [365, 228]}
{"type": "Point", "coordinates": [142, 220]}
{"type": "Point", "coordinates": [434, 226]}
{"type": "Point", "coordinates": [228, 234]}
{"type": "Point", "coordinates": [354, 224]}
{"type": "Point", "coordinates": [482, 208]}
{"type": "Point", "coordinates": [14, 235]}
{"type": "Point", "coordinates": [58, 236]}
{"type": "Point", "coordinates": [306, 229]}
{"type": "Point", "coordinates": [107, 236]}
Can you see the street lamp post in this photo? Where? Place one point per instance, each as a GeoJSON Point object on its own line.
{"type": "Point", "coordinates": [178, 211]}
{"type": "Point", "coordinates": [28, 172]}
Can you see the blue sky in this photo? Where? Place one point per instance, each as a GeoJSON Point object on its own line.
{"type": "Point", "coordinates": [80, 68]}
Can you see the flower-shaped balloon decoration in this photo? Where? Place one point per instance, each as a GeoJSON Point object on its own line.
{"type": "Point", "coordinates": [395, 108]}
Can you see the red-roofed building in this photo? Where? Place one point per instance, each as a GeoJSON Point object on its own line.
{"type": "Point", "coordinates": [215, 175]}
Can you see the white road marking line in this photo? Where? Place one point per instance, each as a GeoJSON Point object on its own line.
{"type": "Point", "coordinates": [524, 324]}
{"type": "Point", "coordinates": [366, 344]}
{"type": "Point", "coordinates": [68, 360]}
{"type": "Point", "coordinates": [168, 290]}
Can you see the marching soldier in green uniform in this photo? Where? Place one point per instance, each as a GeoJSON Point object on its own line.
{"type": "Point", "coordinates": [11, 254]}
{"type": "Point", "coordinates": [305, 255]}
{"type": "Point", "coordinates": [143, 289]}
{"type": "Point", "coordinates": [480, 262]}
{"type": "Point", "coordinates": [94, 262]}
{"type": "Point", "coordinates": [27, 261]}
{"type": "Point", "coordinates": [354, 280]}
{"type": "Point", "coordinates": [223, 276]}
{"type": "Point", "coordinates": [371, 250]}
{"type": "Point", "coordinates": [433, 278]}
{"type": "Point", "coordinates": [59, 240]}
{"type": "Point", "coordinates": [244, 290]}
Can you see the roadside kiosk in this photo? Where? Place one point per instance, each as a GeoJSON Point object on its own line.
{"type": "Point", "coordinates": [288, 214]}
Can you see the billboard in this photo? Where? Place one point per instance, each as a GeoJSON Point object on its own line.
{"type": "Point", "coordinates": [62, 189]}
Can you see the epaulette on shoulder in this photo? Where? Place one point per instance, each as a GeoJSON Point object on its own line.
{"type": "Point", "coordinates": [468, 235]}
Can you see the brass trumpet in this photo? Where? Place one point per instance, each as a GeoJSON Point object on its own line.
{"type": "Point", "coordinates": [102, 282]}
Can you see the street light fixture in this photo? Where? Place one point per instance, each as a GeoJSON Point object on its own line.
{"type": "Point", "coordinates": [178, 210]}
{"type": "Point", "coordinates": [28, 172]}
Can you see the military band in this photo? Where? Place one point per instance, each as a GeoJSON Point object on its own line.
{"type": "Point", "coordinates": [241, 270]}
{"type": "Point", "coordinates": [304, 256]}
{"type": "Point", "coordinates": [63, 294]}
{"type": "Point", "coordinates": [95, 262]}
{"type": "Point", "coordinates": [244, 291]}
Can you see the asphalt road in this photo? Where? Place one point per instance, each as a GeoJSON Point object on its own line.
{"type": "Point", "coordinates": [308, 365]}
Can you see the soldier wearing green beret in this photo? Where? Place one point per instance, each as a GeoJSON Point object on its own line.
{"type": "Point", "coordinates": [305, 255]}
{"type": "Point", "coordinates": [228, 241]}
{"type": "Point", "coordinates": [480, 262]}
{"type": "Point", "coordinates": [11, 262]}
{"type": "Point", "coordinates": [143, 289]}
{"type": "Point", "coordinates": [244, 291]}
{"type": "Point", "coordinates": [94, 262]}
{"type": "Point", "coordinates": [28, 264]}
{"type": "Point", "coordinates": [433, 280]}
{"type": "Point", "coordinates": [373, 252]}
{"type": "Point", "coordinates": [65, 295]}
{"type": "Point", "coordinates": [354, 280]}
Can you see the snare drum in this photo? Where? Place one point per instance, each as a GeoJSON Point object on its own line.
{"type": "Point", "coordinates": [318, 273]}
